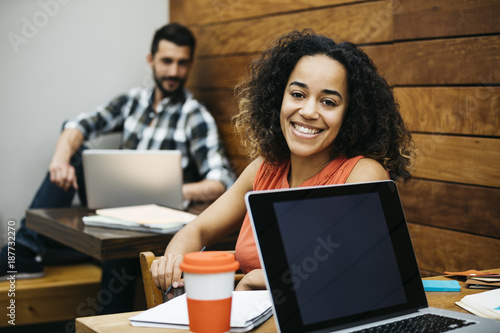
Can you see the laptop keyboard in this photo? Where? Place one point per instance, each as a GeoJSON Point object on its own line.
{"type": "Point", "coordinates": [428, 323]}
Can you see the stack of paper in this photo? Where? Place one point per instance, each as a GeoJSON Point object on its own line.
{"type": "Point", "coordinates": [490, 281]}
{"type": "Point", "coordinates": [147, 218]}
{"type": "Point", "coordinates": [485, 304]}
{"type": "Point", "coordinates": [249, 310]}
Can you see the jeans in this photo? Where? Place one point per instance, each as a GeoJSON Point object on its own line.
{"type": "Point", "coordinates": [52, 196]}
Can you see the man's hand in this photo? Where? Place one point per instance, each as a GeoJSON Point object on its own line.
{"type": "Point", "coordinates": [63, 175]}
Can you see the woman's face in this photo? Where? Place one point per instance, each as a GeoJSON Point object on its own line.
{"type": "Point", "coordinates": [314, 104]}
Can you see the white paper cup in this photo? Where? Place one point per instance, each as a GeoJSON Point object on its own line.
{"type": "Point", "coordinates": [209, 284]}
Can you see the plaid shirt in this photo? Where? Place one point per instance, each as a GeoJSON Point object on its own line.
{"type": "Point", "coordinates": [186, 126]}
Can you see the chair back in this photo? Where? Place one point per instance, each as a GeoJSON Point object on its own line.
{"type": "Point", "coordinates": [154, 296]}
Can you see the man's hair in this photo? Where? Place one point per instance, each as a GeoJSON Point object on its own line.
{"type": "Point", "coordinates": [372, 126]}
{"type": "Point", "coordinates": [175, 33]}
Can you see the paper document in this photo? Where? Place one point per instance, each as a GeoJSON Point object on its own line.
{"type": "Point", "coordinates": [249, 310]}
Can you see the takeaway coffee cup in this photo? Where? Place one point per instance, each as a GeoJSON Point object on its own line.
{"type": "Point", "coordinates": [209, 284]}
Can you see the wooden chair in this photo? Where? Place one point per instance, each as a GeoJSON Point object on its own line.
{"type": "Point", "coordinates": [154, 296]}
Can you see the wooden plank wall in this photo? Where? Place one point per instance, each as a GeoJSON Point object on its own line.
{"type": "Point", "coordinates": [443, 59]}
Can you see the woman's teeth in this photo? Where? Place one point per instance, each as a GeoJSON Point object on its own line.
{"type": "Point", "coordinates": [305, 130]}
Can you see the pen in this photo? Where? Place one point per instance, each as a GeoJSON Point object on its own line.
{"type": "Point", "coordinates": [169, 289]}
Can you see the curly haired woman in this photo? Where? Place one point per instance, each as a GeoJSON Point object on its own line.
{"type": "Point", "coordinates": [312, 112]}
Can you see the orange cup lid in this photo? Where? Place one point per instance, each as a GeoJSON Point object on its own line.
{"type": "Point", "coordinates": [209, 262]}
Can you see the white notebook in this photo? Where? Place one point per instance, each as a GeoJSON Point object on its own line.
{"type": "Point", "coordinates": [485, 304]}
{"type": "Point", "coordinates": [146, 218]}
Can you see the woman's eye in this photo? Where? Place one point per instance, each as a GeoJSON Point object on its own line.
{"type": "Point", "coordinates": [296, 95]}
{"type": "Point", "coordinates": [329, 102]}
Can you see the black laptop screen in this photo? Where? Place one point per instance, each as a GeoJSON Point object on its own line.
{"type": "Point", "coordinates": [334, 245]}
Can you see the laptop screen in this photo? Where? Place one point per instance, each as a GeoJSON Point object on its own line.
{"type": "Point", "coordinates": [335, 255]}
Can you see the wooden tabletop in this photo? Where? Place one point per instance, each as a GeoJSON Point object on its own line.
{"type": "Point", "coordinates": [65, 225]}
{"type": "Point", "coordinates": [120, 323]}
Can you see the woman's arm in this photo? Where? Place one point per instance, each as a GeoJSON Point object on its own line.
{"type": "Point", "coordinates": [221, 218]}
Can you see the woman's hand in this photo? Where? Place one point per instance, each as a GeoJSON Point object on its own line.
{"type": "Point", "coordinates": [166, 272]}
{"type": "Point", "coordinates": [253, 280]}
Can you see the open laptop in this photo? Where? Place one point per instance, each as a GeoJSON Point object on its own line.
{"type": "Point", "coordinates": [339, 258]}
{"type": "Point", "coordinates": [117, 178]}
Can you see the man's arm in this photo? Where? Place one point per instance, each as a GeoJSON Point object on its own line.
{"type": "Point", "coordinates": [209, 155]}
{"type": "Point", "coordinates": [205, 190]}
{"type": "Point", "coordinates": [61, 172]}
{"type": "Point", "coordinates": [104, 119]}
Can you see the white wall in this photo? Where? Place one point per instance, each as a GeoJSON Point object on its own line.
{"type": "Point", "coordinates": [60, 58]}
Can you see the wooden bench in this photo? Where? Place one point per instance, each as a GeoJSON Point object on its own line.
{"type": "Point", "coordinates": [64, 293]}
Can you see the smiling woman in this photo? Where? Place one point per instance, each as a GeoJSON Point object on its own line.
{"type": "Point", "coordinates": [313, 113]}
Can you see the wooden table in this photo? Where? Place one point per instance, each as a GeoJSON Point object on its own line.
{"type": "Point", "coordinates": [120, 323]}
{"type": "Point", "coordinates": [65, 225]}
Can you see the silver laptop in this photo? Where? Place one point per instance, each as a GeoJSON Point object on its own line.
{"type": "Point", "coordinates": [116, 178]}
{"type": "Point", "coordinates": [340, 259]}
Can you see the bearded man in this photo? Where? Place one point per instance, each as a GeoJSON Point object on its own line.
{"type": "Point", "coordinates": [165, 116]}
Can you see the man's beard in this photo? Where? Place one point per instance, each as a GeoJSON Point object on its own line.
{"type": "Point", "coordinates": [174, 94]}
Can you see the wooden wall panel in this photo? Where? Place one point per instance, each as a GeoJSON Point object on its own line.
{"type": "Point", "coordinates": [226, 71]}
{"type": "Point", "coordinates": [357, 23]}
{"type": "Point", "coordinates": [219, 72]}
{"type": "Point", "coordinates": [438, 18]}
{"type": "Point", "coordinates": [236, 150]}
{"type": "Point", "coordinates": [465, 208]}
{"type": "Point", "coordinates": [472, 60]}
{"type": "Point", "coordinates": [383, 58]}
{"type": "Point", "coordinates": [465, 160]}
{"type": "Point", "coordinates": [200, 12]}
{"type": "Point", "coordinates": [452, 110]}
{"type": "Point", "coordinates": [440, 250]}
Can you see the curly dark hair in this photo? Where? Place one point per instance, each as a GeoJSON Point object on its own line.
{"type": "Point", "coordinates": [372, 126]}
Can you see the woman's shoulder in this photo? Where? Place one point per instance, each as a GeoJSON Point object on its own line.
{"type": "Point", "coordinates": [248, 175]}
{"type": "Point", "coordinates": [367, 169]}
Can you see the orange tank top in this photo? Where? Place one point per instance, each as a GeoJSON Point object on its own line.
{"type": "Point", "coordinates": [273, 177]}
